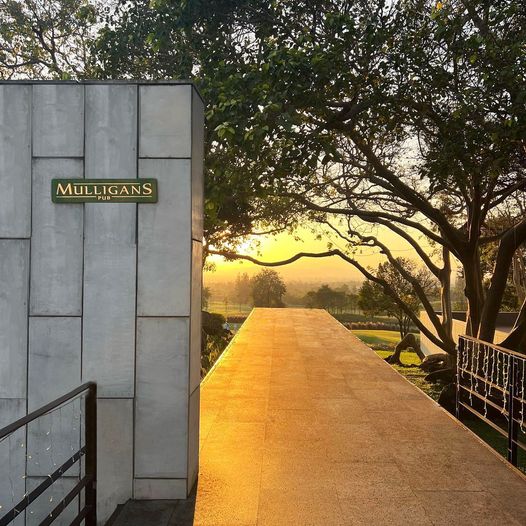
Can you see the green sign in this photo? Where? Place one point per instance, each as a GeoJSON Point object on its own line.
{"type": "Point", "coordinates": [104, 190]}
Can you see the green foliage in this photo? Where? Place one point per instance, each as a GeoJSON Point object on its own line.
{"type": "Point", "coordinates": [372, 325]}
{"type": "Point", "coordinates": [181, 40]}
{"type": "Point", "coordinates": [408, 358]}
{"type": "Point", "coordinates": [213, 323]}
{"type": "Point", "coordinates": [242, 289]}
{"type": "Point", "coordinates": [412, 108]}
{"type": "Point", "coordinates": [230, 310]}
{"type": "Point", "coordinates": [352, 318]}
{"type": "Point", "coordinates": [373, 300]}
{"type": "Point", "coordinates": [215, 339]}
{"type": "Point", "coordinates": [46, 38]}
{"type": "Point", "coordinates": [268, 289]}
{"type": "Point", "coordinates": [212, 350]}
{"type": "Point", "coordinates": [329, 299]}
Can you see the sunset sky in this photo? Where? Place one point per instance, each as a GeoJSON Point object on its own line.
{"type": "Point", "coordinates": [283, 246]}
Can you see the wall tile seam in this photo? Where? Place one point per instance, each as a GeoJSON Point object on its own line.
{"type": "Point", "coordinates": [161, 317]}
{"type": "Point", "coordinates": [160, 478]}
{"type": "Point", "coordinates": [58, 157]}
{"type": "Point", "coordinates": [115, 397]}
{"type": "Point", "coordinates": [72, 477]}
{"type": "Point", "coordinates": [107, 244]}
{"type": "Point", "coordinates": [191, 287]}
{"type": "Point", "coordinates": [55, 316]}
{"type": "Point", "coordinates": [166, 158]}
{"type": "Point", "coordinates": [31, 166]}
{"type": "Point", "coordinates": [83, 244]}
{"type": "Point", "coordinates": [136, 329]}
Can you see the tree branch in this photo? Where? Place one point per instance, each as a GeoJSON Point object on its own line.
{"type": "Point", "coordinates": [435, 270]}
{"type": "Point", "coordinates": [405, 191]}
{"type": "Point", "coordinates": [367, 214]}
{"type": "Point", "coordinates": [417, 287]}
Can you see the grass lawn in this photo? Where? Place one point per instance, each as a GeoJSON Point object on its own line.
{"type": "Point", "coordinates": [374, 338]}
{"type": "Point", "coordinates": [229, 309]}
{"type": "Point", "coordinates": [413, 373]}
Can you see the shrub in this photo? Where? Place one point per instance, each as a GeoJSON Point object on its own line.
{"type": "Point", "coordinates": [215, 338]}
{"type": "Point", "coordinates": [372, 326]}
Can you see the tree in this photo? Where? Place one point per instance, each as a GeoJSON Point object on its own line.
{"type": "Point", "coordinates": [205, 297]}
{"type": "Point", "coordinates": [268, 289]}
{"type": "Point", "coordinates": [327, 298]}
{"type": "Point", "coordinates": [242, 289]}
{"type": "Point", "coordinates": [46, 38]}
{"type": "Point", "coordinates": [407, 116]}
{"type": "Point", "coordinates": [439, 87]}
{"type": "Point", "coordinates": [373, 300]}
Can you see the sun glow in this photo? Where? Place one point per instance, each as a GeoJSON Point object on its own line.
{"type": "Point", "coordinates": [305, 239]}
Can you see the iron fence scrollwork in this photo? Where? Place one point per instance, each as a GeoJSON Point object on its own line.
{"type": "Point", "coordinates": [491, 386]}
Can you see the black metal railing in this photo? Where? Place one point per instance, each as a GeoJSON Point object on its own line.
{"type": "Point", "coordinates": [88, 513]}
{"type": "Point", "coordinates": [491, 386]}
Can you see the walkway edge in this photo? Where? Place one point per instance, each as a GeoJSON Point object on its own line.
{"type": "Point", "coordinates": [456, 420]}
{"type": "Point", "coordinates": [226, 350]}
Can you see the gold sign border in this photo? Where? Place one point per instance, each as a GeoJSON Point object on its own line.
{"type": "Point", "coordinates": [104, 196]}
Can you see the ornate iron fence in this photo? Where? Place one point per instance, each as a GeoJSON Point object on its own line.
{"type": "Point", "coordinates": [491, 386]}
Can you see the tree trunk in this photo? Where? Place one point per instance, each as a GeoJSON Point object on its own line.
{"type": "Point", "coordinates": [409, 340]}
{"type": "Point", "coordinates": [508, 245]}
{"type": "Point", "coordinates": [407, 325]}
{"type": "Point", "coordinates": [401, 327]}
{"type": "Point", "coordinates": [516, 339]}
{"type": "Point", "coordinates": [518, 267]}
{"type": "Point", "coordinates": [445, 294]}
{"type": "Point", "coordinates": [473, 292]}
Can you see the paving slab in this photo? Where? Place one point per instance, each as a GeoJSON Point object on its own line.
{"type": "Point", "coordinates": [303, 425]}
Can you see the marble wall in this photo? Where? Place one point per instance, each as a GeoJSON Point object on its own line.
{"type": "Point", "coordinates": [109, 292]}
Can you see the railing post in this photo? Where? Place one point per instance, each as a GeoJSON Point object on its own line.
{"type": "Point", "coordinates": [90, 430]}
{"type": "Point", "coordinates": [460, 350]}
{"type": "Point", "coordinates": [512, 425]}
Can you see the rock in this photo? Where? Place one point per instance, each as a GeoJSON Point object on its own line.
{"type": "Point", "coordinates": [434, 362]}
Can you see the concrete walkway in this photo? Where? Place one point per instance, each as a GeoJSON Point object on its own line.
{"type": "Point", "coordinates": [303, 425]}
